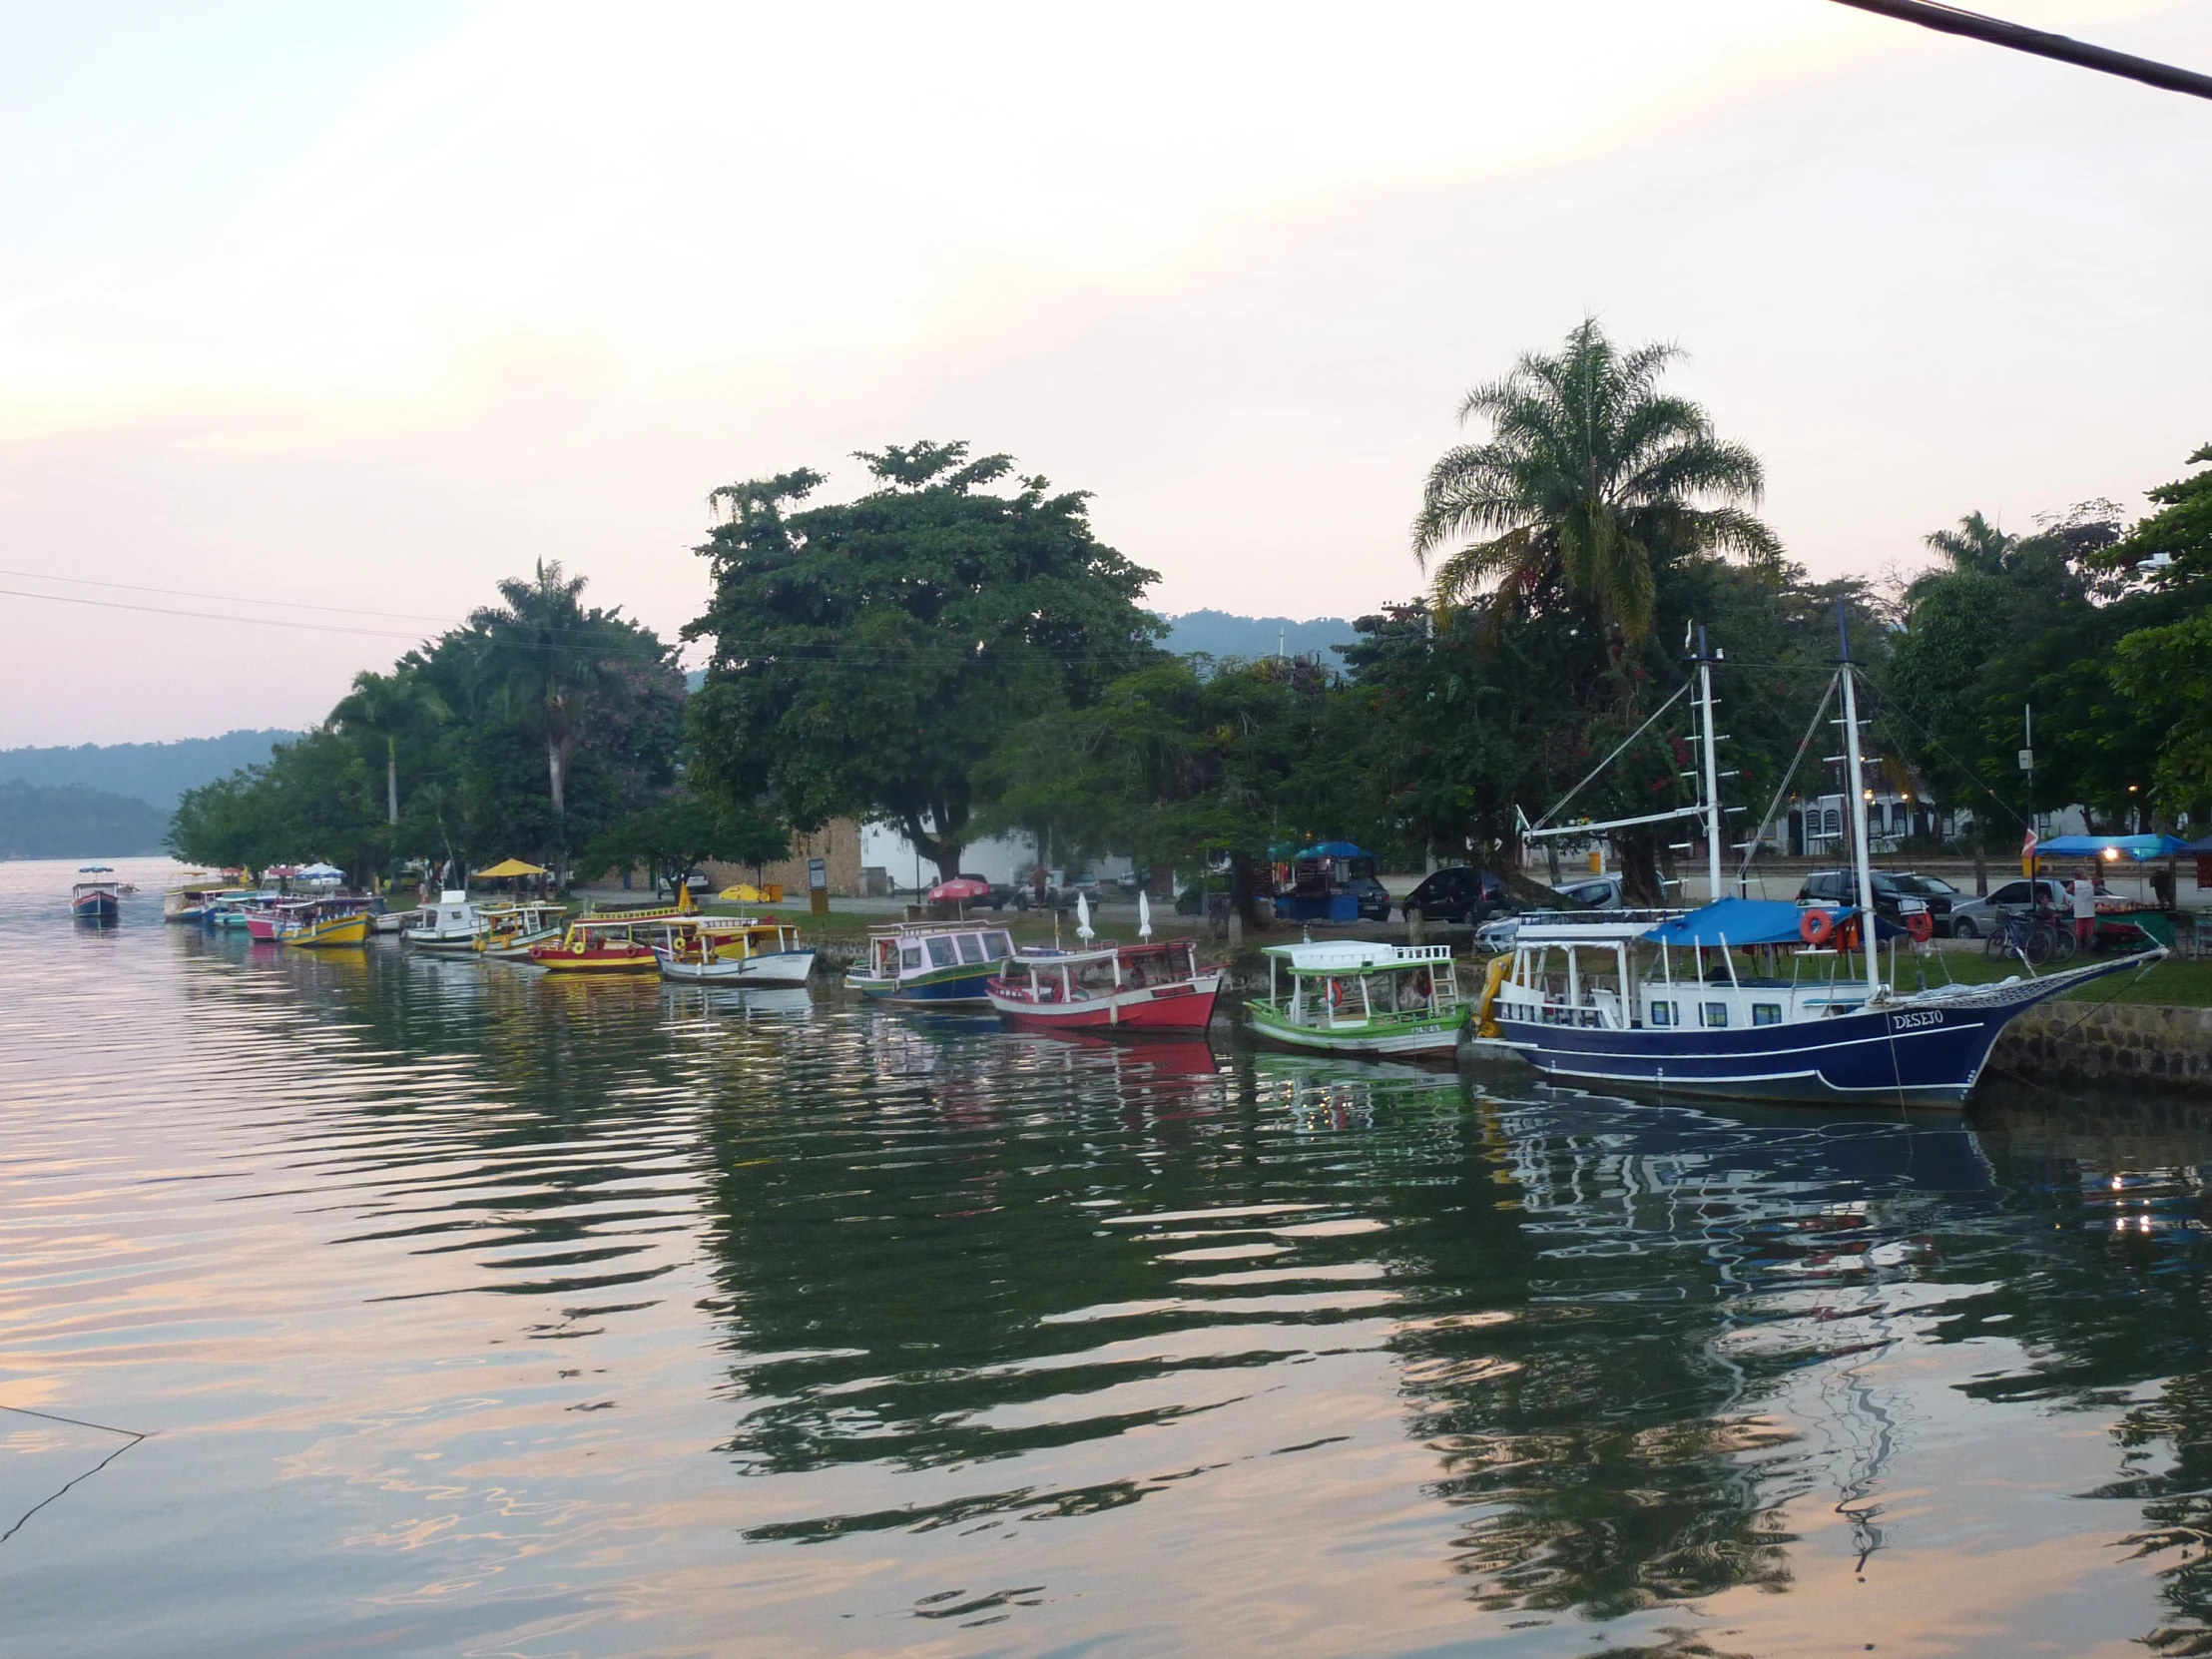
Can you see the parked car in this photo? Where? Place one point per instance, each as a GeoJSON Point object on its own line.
{"type": "Point", "coordinates": [1978, 919]}
{"type": "Point", "coordinates": [975, 891]}
{"type": "Point", "coordinates": [1933, 891]}
{"type": "Point", "coordinates": [1461, 893]}
{"type": "Point", "coordinates": [1838, 889]}
{"type": "Point", "coordinates": [1373, 896]}
{"type": "Point", "coordinates": [1600, 892]}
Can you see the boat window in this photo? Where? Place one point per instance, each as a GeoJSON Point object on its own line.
{"type": "Point", "coordinates": [1716, 1013]}
{"type": "Point", "coordinates": [911, 957]}
{"type": "Point", "coordinates": [940, 950]}
{"type": "Point", "coordinates": [998, 945]}
{"type": "Point", "coordinates": [1662, 1013]}
{"type": "Point", "coordinates": [1766, 1013]}
{"type": "Point", "coordinates": [971, 948]}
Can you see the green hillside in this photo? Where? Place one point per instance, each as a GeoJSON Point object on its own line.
{"type": "Point", "coordinates": [69, 820]}
{"type": "Point", "coordinates": [152, 772]}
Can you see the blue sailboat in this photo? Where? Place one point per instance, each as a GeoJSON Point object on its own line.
{"type": "Point", "coordinates": [1656, 1000]}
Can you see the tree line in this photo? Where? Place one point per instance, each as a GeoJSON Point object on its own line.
{"type": "Point", "coordinates": [954, 652]}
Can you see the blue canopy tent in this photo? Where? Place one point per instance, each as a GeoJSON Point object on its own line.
{"type": "Point", "coordinates": [2141, 849]}
{"type": "Point", "coordinates": [1331, 850]}
{"type": "Point", "coordinates": [1314, 896]}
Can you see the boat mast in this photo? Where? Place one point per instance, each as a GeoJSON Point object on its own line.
{"type": "Point", "coordinates": [1855, 786]}
{"type": "Point", "coordinates": [1712, 771]}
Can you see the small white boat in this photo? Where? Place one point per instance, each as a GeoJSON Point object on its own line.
{"type": "Point", "coordinates": [449, 928]}
{"type": "Point", "coordinates": [736, 950]}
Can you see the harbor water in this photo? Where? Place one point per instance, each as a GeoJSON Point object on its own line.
{"type": "Point", "coordinates": [358, 1302]}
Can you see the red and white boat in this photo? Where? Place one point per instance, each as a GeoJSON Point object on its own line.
{"type": "Point", "coordinates": [1140, 987]}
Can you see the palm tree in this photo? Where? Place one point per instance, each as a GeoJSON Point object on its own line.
{"type": "Point", "coordinates": [1591, 478]}
{"type": "Point", "coordinates": [387, 705]}
{"type": "Point", "coordinates": [549, 654]}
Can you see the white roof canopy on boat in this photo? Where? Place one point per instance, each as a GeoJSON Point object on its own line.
{"type": "Point", "coordinates": [1335, 956]}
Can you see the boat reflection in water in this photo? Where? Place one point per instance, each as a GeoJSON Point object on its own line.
{"type": "Point", "coordinates": [529, 1300]}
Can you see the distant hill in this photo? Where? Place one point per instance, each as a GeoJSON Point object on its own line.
{"type": "Point", "coordinates": [68, 820]}
{"type": "Point", "coordinates": [1218, 634]}
{"type": "Point", "coordinates": [154, 773]}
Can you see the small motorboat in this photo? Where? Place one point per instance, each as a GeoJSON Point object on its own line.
{"type": "Point", "coordinates": [512, 932]}
{"type": "Point", "coordinates": [937, 965]}
{"type": "Point", "coordinates": [451, 927]}
{"type": "Point", "coordinates": [736, 950]}
{"type": "Point", "coordinates": [1139, 988]}
{"type": "Point", "coordinates": [97, 902]}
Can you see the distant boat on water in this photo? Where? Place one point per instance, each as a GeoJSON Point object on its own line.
{"type": "Point", "coordinates": [97, 903]}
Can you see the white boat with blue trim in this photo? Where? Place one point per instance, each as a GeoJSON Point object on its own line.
{"type": "Point", "coordinates": [1657, 1000]}
{"type": "Point", "coordinates": [937, 965]}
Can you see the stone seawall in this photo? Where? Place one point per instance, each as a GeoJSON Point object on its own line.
{"type": "Point", "coordinates": [2112, 1042]}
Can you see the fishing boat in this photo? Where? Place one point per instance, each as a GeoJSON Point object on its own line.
{"type": "Point", "coordinates": [95, 902]}
{"type": "Point", "coordinates": [326, 924]}
{"type": "Point", "coordinates": [1138, 987]}
{"type": "Point", "coordinates": [736, 950]}
{"type": "Point", "coordinates": [1351, 996]}
{"type": "Point", "coordinates": [512, 932]}
{"type": "Point", "coordinates": [942, 964]}
{"type": "Point", "coordinates": [618, 943]}
{"type": "Point", "coordinates": [225, 912]}
{"type": "Point", "coordinates": [266, 921]}
{"type": "Point", "coordinates": [187, 900]}
{"type": "Point", "coordinates": [1651, 1003]}
{"type": "Point", "coordinates": [449, 928]}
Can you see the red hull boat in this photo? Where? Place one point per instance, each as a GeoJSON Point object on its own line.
{"type": "Point", "coordinates": [1132, 987]}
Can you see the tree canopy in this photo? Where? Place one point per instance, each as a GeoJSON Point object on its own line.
{"type": "Point", "coordinates": [869, 654]}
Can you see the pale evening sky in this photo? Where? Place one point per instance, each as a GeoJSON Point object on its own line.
{"type": "Point", "coordinates": [370, 307]}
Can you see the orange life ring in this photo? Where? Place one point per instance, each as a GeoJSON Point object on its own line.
{"type": "Point", "coordinates": [1921, 925]}
{"type": "Point", "coordinates": [1816, 927]}
{"type": "Point", "coordinates": [1336, 993]}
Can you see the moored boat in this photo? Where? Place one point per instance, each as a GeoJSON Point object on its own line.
{"type": "Point", "coordinates": [512, 932]}
{"type": "Point", "coordinates": [736, 950]}
{"type": "Point", "coordinates": [939, 964]}
{"type": "Point", "coordinates": [618, 943]}
{"type": "Point", "coordinates": [324, 923]}
{"type": "Point", "coordinates": [1598, 1000]}
{"type": "Point", "coordinates": [1352, 996]}
{"type": "Point", "coordinates": [188, 899]}
{"type": "Point", "coordinates": [1139, 988]}
{"type": "Point", "coordinates": [449, 928]}
{"type": "Point", "coordinates": [95, 902]}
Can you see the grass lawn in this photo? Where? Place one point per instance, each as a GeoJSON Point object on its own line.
{"type": "Point", "coordinates": [2170, 984]}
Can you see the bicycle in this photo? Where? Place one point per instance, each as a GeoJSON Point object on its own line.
{"type": "Point", "coordinates": [2030, 935]}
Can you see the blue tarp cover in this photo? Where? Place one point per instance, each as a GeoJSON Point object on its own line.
{"type": "Point", "coordinates": [2138, 847]}
{"type": "Point", "coordinates": [1733, 921]}
{"type": "Point", "coordinates": [1334, 849]}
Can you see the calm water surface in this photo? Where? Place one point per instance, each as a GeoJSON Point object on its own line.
{"type": "Point", "coordinates": [468, 1312]}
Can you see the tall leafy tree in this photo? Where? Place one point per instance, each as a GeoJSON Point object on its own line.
{"type": "Point", "coordinates": [869, 654]}
{"type": "Point", "coordinates": [383, 707]}
{"type": "Point", "coordinates": [1592, 479]}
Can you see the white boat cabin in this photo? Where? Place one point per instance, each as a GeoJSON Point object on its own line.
{"type": "Point", "coordinates": [1608, 974]}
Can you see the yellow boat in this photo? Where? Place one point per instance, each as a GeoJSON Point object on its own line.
{"type": "Point", "coordinates": [324, 928]}
{"type": "Point", "coordinates": [615, 941]}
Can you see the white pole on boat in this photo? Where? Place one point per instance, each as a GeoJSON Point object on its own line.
{"type": "Point", "coordinates": [1855, 786]}
{"type": "Point", "coordinates": [1712, 771]}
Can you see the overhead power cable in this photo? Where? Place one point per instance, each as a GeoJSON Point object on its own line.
{"type": "Point", "coordinates": [1952, 20]}
{"type": "Point", "coordinates": [226, 598]}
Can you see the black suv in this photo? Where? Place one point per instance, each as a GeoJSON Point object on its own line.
{"type": "Point", "coordinates": [1461, 894]}
{"type": "Point", "coordinates": [1839, 889]}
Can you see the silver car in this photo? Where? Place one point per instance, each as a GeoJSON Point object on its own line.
{"type": "Point", "coordinates": [1978, 919]}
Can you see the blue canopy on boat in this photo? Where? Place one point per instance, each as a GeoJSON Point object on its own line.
{"type": "Point", "coordinates": [1332, 849]}
{"type": "Point", "coordinates": [1733, 922]}
{"type": "Point", "coordinates": [2138, 847]}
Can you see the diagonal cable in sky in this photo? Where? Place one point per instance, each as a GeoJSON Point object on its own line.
{"type": "Point", "coordinates": [1952, 20]}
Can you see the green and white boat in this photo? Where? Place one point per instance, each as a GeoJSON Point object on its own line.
{"type": "Point", "coordinates": [1346, 996]}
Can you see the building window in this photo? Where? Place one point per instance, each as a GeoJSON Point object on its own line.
{"type": "Point", "coordinates": [1766, 1013]}
{"type": "Point", "coordinates": [1833, 823]}
{"type": "Point", "coordinates": [1716, 1013]}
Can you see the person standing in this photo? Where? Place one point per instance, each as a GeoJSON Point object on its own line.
{"type": "Point", "coordinates": [2084, 891]}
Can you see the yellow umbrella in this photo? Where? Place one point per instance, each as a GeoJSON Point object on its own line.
{"type": "Point", "coordinates": [743, 893]}
{"type": "Point", "coordinates": [513, 866]}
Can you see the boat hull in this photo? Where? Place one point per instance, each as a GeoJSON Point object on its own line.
{"type": "Point", "coordinates": [1438, 1036]}
{"type": "Point", "coordinates": [770, 969]}
{"type": "Point", "coordinates": [1186, 1006]}
{"type": "Point", "coordinates": [1912, 1053]}
{"type": "Point", "coordinates": [96, 907]}
{"type": "Point", "coordinates": [598, 959]}
{"type": "Point", "coordinates": [336, 933]}
{"type": "Point", "coordinates": [962, 987]}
